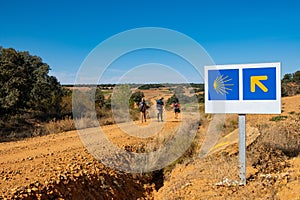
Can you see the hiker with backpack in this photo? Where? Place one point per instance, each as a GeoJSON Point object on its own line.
{"type": "Point", "coordinates": [143, 108]}
{"type": "Point", "coordinates": [160, 108]}
{"type": "Point", "coordinates": [176, 107]}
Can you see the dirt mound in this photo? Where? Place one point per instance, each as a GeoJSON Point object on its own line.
{"type": "Point", "coordinates": [229, 143]}
{"type": "Point", "coordinates": [269, 173]}
{"type": "Point", "coordinates": [273, 163]}
{"type": "Point", "coordinates": [89, 183]}
{"type": "Point", "coordinates": [58, 166]}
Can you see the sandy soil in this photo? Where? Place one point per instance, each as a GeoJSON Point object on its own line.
{"type": "Point", "coordinates": [54, 166]}
{"type": "Point", "coordinates": [58, 166]}
{"type": "Point", "coordinates": [41, 160]}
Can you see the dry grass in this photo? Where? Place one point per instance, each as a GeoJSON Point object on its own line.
{"type": "Point", "coordinates": [67, 124]}
{"type": "Point", "coordinates": [284, 136]}
{"type": "Point", "coordinates": [57, 126]}
{"type": "Point", "coordinates": [268, 152]}
{"type": "Point", "coordinates": [229, 125]}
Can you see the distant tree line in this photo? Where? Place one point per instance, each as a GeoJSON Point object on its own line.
{"type": "Point", "coordinates": [198, 87]}
{"type": "Point", "coordinates": [291, 77]}
{"type": "Point", "coordinates": [102, 86]}
{"type": "Point", "coordinates": [149, 86]}
{"type": "Point", "coordinates": [290, 84]}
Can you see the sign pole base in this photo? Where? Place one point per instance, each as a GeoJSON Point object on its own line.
{"type": "Point", "coordinates": [242, 148]}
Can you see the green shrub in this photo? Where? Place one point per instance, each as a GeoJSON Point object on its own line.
{"type": "Point", "coordinates": [278, 118]}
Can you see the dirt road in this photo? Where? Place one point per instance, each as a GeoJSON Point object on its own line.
{"type": "Point", "coordinates": [53, 164]}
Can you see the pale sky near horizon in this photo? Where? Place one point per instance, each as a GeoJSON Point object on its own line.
{"type": "Point", "coordinates": [63, 33]}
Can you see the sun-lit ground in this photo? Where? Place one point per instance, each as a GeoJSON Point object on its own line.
{"type": "Point", "coordinates": [58, 165]}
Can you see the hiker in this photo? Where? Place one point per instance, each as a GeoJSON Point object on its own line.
{"type": "Point", "coordinates": [143, 108]}
{"type": "Point", "coordinates": [160, 108]}
{"type": "Point", "coordinates": [176, 107]}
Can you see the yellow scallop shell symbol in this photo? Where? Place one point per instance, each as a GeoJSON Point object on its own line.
{"type": "Point", "coordinates": [222, 85]}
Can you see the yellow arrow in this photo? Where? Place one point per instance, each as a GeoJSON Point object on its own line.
{"type": "Point", "coordinates": [255, 80]}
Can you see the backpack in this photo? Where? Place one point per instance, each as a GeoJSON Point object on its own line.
{"type": "Point", "coordinates": [142, 106]}
{"type": "Point", "coordinates": [159, 104]}
{"type": "Point", "coordinates": [176, 105]}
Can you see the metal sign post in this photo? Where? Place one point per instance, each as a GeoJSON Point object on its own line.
{"type": "Point", "coordinates": [242, 148]}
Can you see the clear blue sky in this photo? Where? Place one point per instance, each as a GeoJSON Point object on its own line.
{"type": "Point", "coordinates": [63, 33]}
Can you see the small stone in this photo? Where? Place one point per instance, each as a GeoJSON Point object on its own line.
{"type": "Point", "coordinates": [77, 175]}
{"type": "Point", "coordinates": [62, 177]}
{"type": "Point", "coordinates": [116, 183]}
{"type": "Point", "coordinates": [14, 190]}
{"type": "Point", "coordinates": [102, 179]}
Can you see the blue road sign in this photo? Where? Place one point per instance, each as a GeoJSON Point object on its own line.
{"type": "Point", "coordinates": [243, 88]}
{"type": "Point", "coordinates": [223, 84]}
{"type": "Point", "coordinates": [259, 83]}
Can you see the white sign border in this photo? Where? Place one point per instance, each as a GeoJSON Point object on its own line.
{"type": "Point", "coordinates": [244, 106]}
